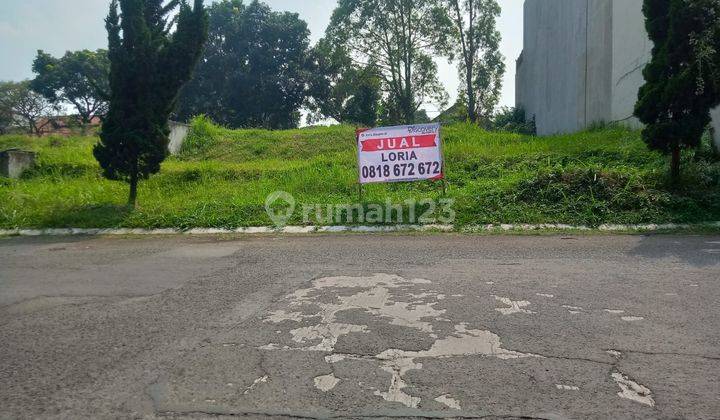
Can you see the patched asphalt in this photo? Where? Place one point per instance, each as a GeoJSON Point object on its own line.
{"type": "Point", "coordinates": [353, 326]}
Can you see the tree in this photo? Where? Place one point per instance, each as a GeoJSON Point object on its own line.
{"type": "Point", "coordinates": [153, 49]}
{"type": "Point", "coordinates": [79, 78]}
{"type": "Point", "coordinates": [255, 69]}
{"type": "Point", "coordinates": [342, 90]}
{"type": "Point", "coordinates": [481, 64]}
{"type": "Point", "coordinates": [31, 109]}
{"type": "Point", "coordinates": [675, 102]}
{"type": "Point", "coordinates": [6, 116]}
{"type": "Point", "coordinates": [706, 41]}
{"type": "Point", "coordinates": [399, 37]}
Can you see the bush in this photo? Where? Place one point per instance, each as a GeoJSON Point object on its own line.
{"type": "Point", "coordinates": [201, 137]}
{"type": "Point", "coordinates": [514, 120]}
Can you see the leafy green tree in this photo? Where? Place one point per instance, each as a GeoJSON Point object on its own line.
{"type": "Point", "coordinates": [675, 102]}
{"type": "Point", "coordinates": [481, 65]}
{"type": "Point", "coordinates": [79, 78]}
{"type": "Point", "coordinates": [399, 38]}
{"type": "Point", "coordinates": [6, 116]}
{"type": "Point", "coordinates": [255, 69]}
{"type": "Point", "coordinates": [153, 48]}
{"type": "Point", "coordinates": [706, 41]}
{"type": "Point", "coordinates": [22, 104]}
{"type": "Point", "coordinates": [342, 90]}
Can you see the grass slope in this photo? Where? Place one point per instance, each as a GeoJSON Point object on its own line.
{"type": "Point", "coordinates": [222, 177]}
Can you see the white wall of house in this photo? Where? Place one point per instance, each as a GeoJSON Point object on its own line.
{"type": "Point", "coordinates": [716, 127]}
{"type": "Point", "coordinates": [551, 70]}
{"type": "Point", "coordinates": [582, 63]}
{"type": "Point", "coordinates": [631, 51]}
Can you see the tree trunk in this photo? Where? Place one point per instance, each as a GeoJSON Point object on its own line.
{"type": "Point", "coordinates": [409, 114]}
{"type": "Point", "coordinates": [472, 111]}
{"type": "Point", "coordinates": [675, 163]}
{"type": "Point", "coordinates": [132, 199]}
{"type": "Point", "coordinates": [33, 128]}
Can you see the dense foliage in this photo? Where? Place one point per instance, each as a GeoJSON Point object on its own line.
{"type": "Point", "coordinates": [342, 90]}
{"type": "Point", "coordinates": [255, 68]}
{"type": "Point", "coordinates": [21, 105]}
{"type": "Point", "coordinates": [149, 64]}
{"type": "Point", "coordinates": [514, 120]}
{"type": "Point", "coordinates": [680, 89]}
{"type": "Point", "coordinates": [481, 65]}
{"type": "Point", "coordinates": [79, 78]}
{"type": "Point", "coordinates": [399, 38]}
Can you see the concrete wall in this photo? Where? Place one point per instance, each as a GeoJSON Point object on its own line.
{"type": "Point", "coordinates": [554, 32]}
{"type": "Point", "coordinates": [14, 162]}
{"type": "Point", "coordinates": [631, 49]}
{"type": "Point", "coordinates": [582, 63]}
{"type": "Point", "coordinates": [563, 75]}
{"type": "Point", "coordinates": [716, 127]}
{"type": "Point", "coordinates": [178, 134]}
{"type": "Point", "coordinates": [598, 87]}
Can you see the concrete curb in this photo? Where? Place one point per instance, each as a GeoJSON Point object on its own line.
{"type": "Point", "coordinates": [294, 230]}
{"type": "Point", "coordinates": [601, 228]}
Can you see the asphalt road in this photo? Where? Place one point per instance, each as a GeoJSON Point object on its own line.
{"type": "Point", "coordinates": [360, 326]}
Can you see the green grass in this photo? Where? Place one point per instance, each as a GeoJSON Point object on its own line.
{"type": "Point", "coordinates": [222, 177]}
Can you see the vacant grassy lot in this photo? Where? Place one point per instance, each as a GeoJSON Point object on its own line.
{"type": "Point", "coordinates": [222, 178]}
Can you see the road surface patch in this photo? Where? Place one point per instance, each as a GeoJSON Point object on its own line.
{"type": "Point", "coordinates": [573, 309]}
{"type": "Point", "coordinates": [326, 383]}
{"type": "Point", "coordinates": [631, 390]}
{"type": "Point", "coordinates": [381, 296]}
{"type": "Point", "coordinates": [449, 401]}
{"type": "Point", "coordinates": [615, 311]}
{"type": "Point", "coordinates": [513, 306]}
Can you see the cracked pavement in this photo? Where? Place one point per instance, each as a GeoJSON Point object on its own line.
{"type": "Point", "coordinates": [354, 326]}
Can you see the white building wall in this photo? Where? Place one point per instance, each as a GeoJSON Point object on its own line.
{"type": "Point", "coordinates": [716, 127]}
{"type": "Point", "coordinates": [598, 88]}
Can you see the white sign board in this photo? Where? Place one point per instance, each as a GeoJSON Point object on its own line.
{"type": "Point", "coordinates": [403, 153]}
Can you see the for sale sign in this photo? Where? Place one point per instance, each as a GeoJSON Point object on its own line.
{"type": "Point", "coordinates": [404, 153]}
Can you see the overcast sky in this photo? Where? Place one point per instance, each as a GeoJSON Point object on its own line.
{"type": "Point", "coordinates": [60, 25]}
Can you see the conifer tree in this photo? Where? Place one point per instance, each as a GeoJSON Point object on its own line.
{"type": "Point", "coordinates": [154, 46]}
{"type": "Point", "coordinates": [675, 102]}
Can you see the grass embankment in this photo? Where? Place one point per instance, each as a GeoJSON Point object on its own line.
{"type": "Point", "coordinates": [223, 177]}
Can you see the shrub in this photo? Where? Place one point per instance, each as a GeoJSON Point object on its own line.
{"type": "Point", "coordinates": [514, 120]}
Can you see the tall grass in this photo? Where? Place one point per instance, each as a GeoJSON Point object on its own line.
{"type": "Point", "coordinates": [222, 177]}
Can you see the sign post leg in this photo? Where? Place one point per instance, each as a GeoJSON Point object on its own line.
{"type": "Point", "coordinates": [360, 193]}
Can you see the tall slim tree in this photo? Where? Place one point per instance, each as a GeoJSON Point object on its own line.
{"type": "Point", "coordinates": [481, 65]}
{"type": "Point", "coordinates": [79, 78]}
{"type": "Point", "coordinates": [675, 102]}
{"type": "Point", "coordinates": [154, 46]}
{"type": "Point", "coordinates": [399, 37]}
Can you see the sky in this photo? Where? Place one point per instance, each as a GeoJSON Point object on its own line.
{"type": "Point", "coordinates": [56, 26]}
